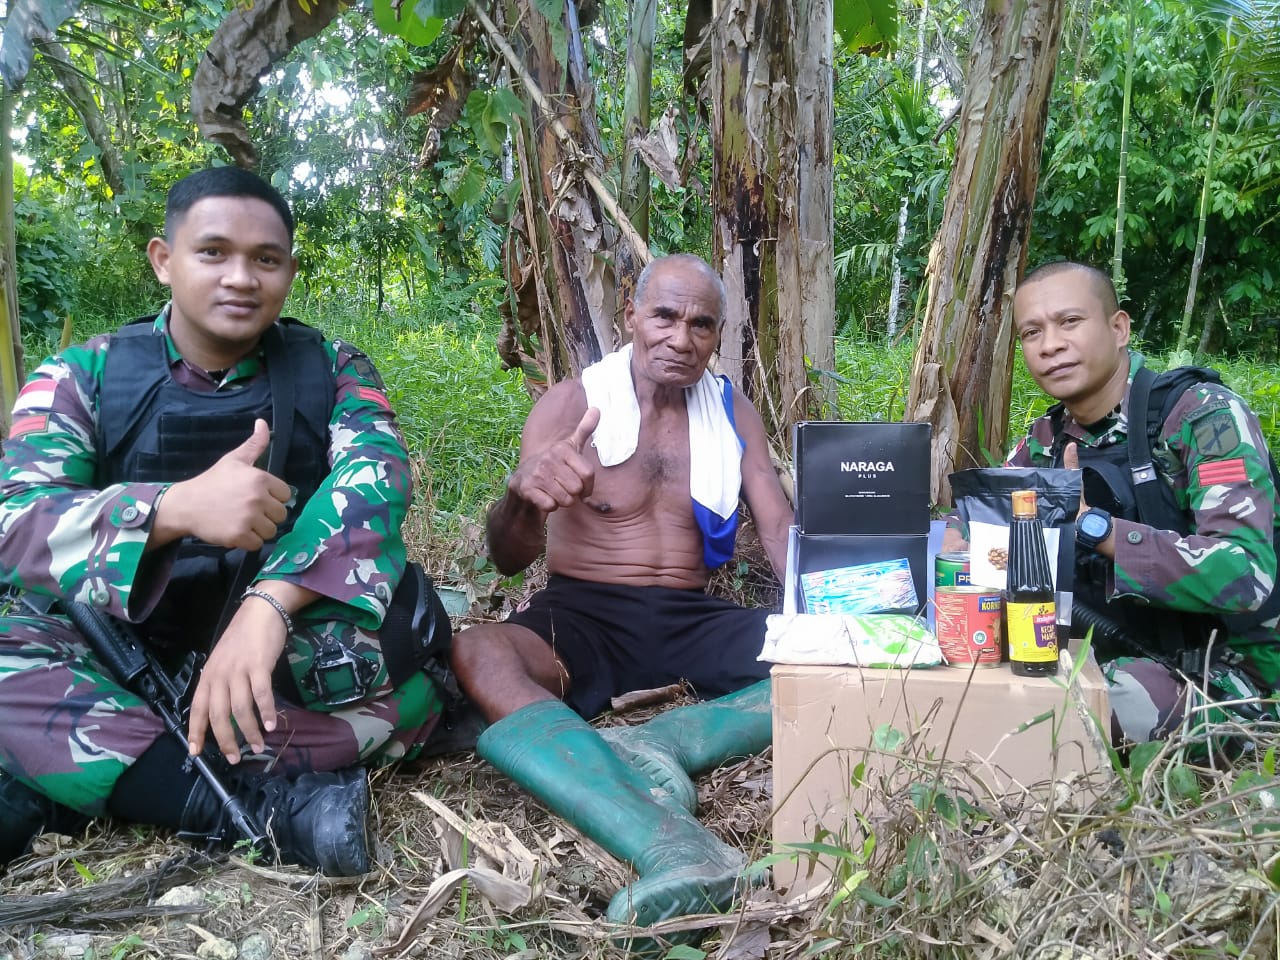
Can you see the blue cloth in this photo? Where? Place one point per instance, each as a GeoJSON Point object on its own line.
{"type": "Point", "coordinates": [719, 534]}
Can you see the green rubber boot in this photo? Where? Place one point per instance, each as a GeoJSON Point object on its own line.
{"type": "Point", "coordinates": [687, 741]}
{"type": "Point", "coordinates": [557, 756]}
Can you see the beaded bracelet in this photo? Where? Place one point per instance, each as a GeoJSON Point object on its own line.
{"type": "Point", "coordinates": [263, 595]}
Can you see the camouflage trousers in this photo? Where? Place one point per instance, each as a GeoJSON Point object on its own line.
{"type": "Point", "coordinates": [1150, 702]}
{"type": "Point", "coordinates": [69, 730]}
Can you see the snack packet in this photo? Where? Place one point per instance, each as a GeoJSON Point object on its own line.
{"type": "Point", "coordinates": [868, 640]}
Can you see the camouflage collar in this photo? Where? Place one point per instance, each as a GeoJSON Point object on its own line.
{"type": "Point", "coordinates": [1112, 428]}
{"type": "Point", "coordinates": [247, 368]}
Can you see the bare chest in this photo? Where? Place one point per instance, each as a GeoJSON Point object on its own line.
{"type": "Point", "coordinates": [655, 477]}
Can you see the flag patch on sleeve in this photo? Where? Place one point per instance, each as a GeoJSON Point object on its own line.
{"type": "Point", "coordinates": [36, 393]}
{"type": "Point", "coordinates": [1221, 471]}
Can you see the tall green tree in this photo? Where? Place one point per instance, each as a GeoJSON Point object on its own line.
{"type": "Point", "coordinates": [1117, 254]}
{"type": "Point", "coordinates": [1246, 40]}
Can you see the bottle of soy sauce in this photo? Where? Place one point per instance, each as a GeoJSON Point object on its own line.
{"type": "Point", "coordinates": [1028, 596]}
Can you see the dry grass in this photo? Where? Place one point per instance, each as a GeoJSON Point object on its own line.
{"type": "Point", "coordinates": [1172, 861]}
{"type": "Point", "coordinates": [301, 915]}
{"type": "Point", "coordinates": [1181, 871]}
{"type": "Point", "coordinates": [1022, 875]}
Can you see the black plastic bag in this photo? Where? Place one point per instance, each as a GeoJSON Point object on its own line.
{"type": "Point", "coordinates": [983, 496]}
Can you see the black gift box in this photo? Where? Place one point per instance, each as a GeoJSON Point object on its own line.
{"type": "Point", "coordinates": [862, 478]}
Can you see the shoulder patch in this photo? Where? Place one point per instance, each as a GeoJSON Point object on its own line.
{"type": "Point", "coordinates": [1215, 431]}
{"type": "Point", "coordinates": [360, 362]}
{"type": "Point", "coordinates": [1212, 403]}
{"type": "Point", "coordinates": [376, 397]}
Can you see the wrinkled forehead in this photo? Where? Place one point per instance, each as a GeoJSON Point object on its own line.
{"type": "Point", "coordinates": [684, 286]}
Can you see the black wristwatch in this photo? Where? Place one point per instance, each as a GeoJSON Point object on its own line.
{"type": "Point", "coordinates": [1093, 527]}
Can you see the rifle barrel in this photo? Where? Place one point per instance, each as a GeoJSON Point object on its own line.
{"type": "Point", "coordinates": [136, 668]}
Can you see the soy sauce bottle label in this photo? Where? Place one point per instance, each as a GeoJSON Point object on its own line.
{"type": "Point", "coordinates": [1033, 632]}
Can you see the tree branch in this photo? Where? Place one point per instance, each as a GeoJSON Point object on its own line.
{"type": "Point", "coordinates": [85, 104]}
{"type": "Point", "coordinates": [566, 140]}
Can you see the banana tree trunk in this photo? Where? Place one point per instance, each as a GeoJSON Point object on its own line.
{"type": "Point", "coordinates": [635, 123]}
{"type": "Point", "coordinates": [964, 360]}
{"type": "Point", "coordinates": [771, 121]}
{"type": "Point", "coordinates": [559, 262]}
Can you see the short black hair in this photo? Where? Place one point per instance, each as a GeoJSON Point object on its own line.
{"type": "Point", "coordinates": [221, 182]}
{"type": "Point", "coordinates": [1103, 288]}
{"type": "Point", "coordinates": [694, 262]}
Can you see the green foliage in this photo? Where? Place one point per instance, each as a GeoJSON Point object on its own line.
{"type": "Point", "coordinates": [552, 12]}
{"type": "Point", "coordinates": [372, 917]}
{"type": "Point", "coordinates": [80, 242]}
{"type": "Point", "coordinates": [47, 247]}
{"type": "Point", "coordinates": [873, 377]}
{"type": "Point", "coordinates": [885, 151]}
{"type": "Point", "coordinates": [492, 113]}
{"type": "Point", "coordinates": [127, 947]}
{"type": "Point", "coordinates": [684, 951]}
{"type": "Point", "coordinates": [866, 25]}
{"type": "Point", "coordinates": [373, 217]}
{"type": "Point", "coordinates": [460, 412]}
{"type": "Point", "coordinates": [419, 24]}
{"type": "Point", "coordinates": [1178, 60]}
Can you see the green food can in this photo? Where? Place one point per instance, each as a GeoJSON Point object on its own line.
{"type": "Point", "coordinates": [951, 569]}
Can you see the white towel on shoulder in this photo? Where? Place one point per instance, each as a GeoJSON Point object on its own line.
{"type": "Point", "coordinates": [715, 452]}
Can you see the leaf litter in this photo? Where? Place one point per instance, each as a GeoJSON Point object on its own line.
{"type": "Point", "coordinates": [468, 865]}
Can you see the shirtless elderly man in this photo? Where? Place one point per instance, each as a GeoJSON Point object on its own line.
{"type": "Point", "coordinates": [629, 477]}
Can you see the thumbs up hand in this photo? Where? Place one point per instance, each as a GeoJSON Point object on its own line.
{"type": "Point", "coordinates": [232, 504]}
{"type": "Point", "coordinates": [560, 475]}
{"type": "Point", "coordinates": [1071, 460]}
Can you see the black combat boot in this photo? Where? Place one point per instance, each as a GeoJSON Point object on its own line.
{"type": "Point", "coordinates": [25, 813]}
{"type": "Point", "coordinates": [318, 820]}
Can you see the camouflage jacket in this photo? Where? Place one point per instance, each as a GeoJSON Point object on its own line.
{"type": "Point", "coordinates": [60, 536]}
{"type": "Point", "coordinates": [1212, 453]}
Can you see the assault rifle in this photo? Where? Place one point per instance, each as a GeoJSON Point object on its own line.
{"type": "Point", "coordinates": [1192, 663]}
{"type": "Point", "coordinates": [136, 668]}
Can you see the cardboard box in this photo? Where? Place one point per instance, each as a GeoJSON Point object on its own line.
{"type": "Point", "coordinates": [825, 723]}
{"type": "Point", "coordinates": [828, 552]}
{"type": "Point", "coordinates": [862, 478]}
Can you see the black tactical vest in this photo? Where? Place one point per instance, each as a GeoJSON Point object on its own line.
{"type": "Point", "coordinates": [1110, 478]}
{"type": "Point", "coordinates": [152, 429]}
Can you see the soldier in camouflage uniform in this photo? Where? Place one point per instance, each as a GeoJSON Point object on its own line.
{"type": "Point", "coordinates": [73, 742]}
{"type": "Point", "coordinates": [1210, 449]}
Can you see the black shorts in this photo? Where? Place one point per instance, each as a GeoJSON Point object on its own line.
{"type": "Point", "coordinates": [613, 639]}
